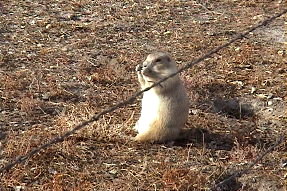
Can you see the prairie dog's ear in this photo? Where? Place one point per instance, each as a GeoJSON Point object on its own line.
{"type": "Point", "coordinates": [165, 59]}
{"type": "Point", "coordinates": [158, 60]}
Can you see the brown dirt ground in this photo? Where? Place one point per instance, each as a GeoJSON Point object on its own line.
{"type": "Point", "coordinates": [62, 61]}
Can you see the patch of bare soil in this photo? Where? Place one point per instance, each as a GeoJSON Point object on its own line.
{"type": "Point", "coordinates": [62, 61]}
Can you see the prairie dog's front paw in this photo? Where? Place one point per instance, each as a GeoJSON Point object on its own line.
{"type": "Point", "coordinates": [138, 67]}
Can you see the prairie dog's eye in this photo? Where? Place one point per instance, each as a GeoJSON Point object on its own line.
{"type": "Point", "coordinates": [158, 60]}
{"type": "Point", "coordinates": [145, 64]}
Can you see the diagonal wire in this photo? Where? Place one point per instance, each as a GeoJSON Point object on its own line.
{"type": "Point", "coordinates": [129, 100]}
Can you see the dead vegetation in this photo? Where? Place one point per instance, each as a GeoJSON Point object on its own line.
{"type": "Point", "coordinates": [63, 61]}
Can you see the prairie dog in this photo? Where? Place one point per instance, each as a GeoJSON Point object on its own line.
{"type": "Point", "coordinates": [164, 107]}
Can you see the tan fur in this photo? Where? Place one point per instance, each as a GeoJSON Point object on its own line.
{"type": "Point", "coordinates": [164, 107]}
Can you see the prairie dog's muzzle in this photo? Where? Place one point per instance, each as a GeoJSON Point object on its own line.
{"type": "Point", "coordinates": [147, 71]}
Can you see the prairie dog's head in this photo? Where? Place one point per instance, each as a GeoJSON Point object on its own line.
{"type": "Point", "coordinates": [157, 66]}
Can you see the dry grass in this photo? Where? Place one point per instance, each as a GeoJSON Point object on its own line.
{"type": "Point", "coordinates": [63, 61]}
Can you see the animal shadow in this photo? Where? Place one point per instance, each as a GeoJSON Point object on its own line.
{"type": "Point", "coordinates": [233, 108]}
{"type": "Point", "coordinates": [221, 98]}
{"type": "Point", "coordinates": [203, 138]}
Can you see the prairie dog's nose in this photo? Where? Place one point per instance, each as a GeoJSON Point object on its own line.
{"type": "Point", "coordinates": [139, 68]}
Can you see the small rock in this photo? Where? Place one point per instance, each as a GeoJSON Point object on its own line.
{"type": "Point", "coordinates": [261, 96]}
{"type": "Point", "coordinates": [167, 33]}
{"type": "Point", "coordinates": [277, 98]}
{"type": "Point", "coordinates": [48, 26]}
{"type": "Point", "coordinates": [238, 83]}
{"type": "Point", "coordinates": [194, 111]}
{"type": "Point", "coordinates": [269, 103]}
{"type": "Point", "coordinates": [45, 96]}
{"type": "Point", "coordinates": [253, 90]}
{"type": "Point", "coordinates": [19, 188]}
{"type": "Point", "coordinates": [52, 171]}
{"type": "Point", "coordinates": [269, 96]}
{"type": "Point", "coordinates": [32, 22]}
{"type": "Point", "coordinates": [114, 171]}
{"type": "Point", "coordinates": [64, 49]}
{"type": "Point", "coordinates": [284, 163]}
